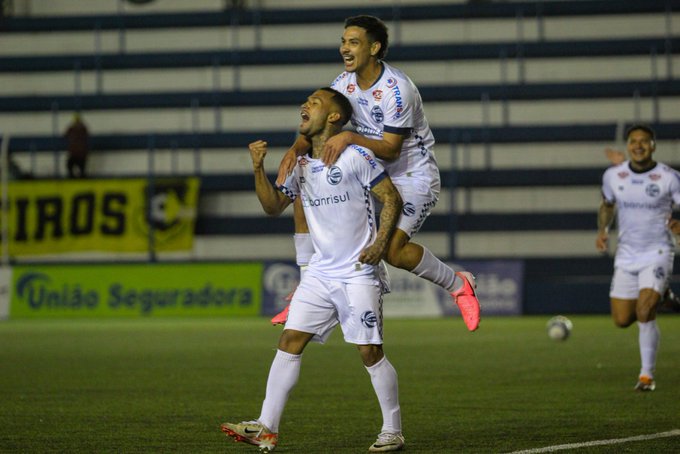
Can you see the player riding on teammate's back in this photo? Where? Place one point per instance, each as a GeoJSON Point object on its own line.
{"type": "Point", "coordinates": [389, 120]}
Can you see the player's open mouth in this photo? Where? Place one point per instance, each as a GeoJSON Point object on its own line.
{"type": "Point", "coordinates": [348, 58]}
{"type": "Point", "coordinates": [305, 116]}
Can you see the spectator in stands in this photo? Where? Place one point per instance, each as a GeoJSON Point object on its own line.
{"type": "Point", "coordinates": [342, 285]}
{"type": "Point", "coordinates": [643, 192]}
{"type": "Point", "coordinates": [388, 119]}
{"type": "Point", "coordinates": [78, 146]}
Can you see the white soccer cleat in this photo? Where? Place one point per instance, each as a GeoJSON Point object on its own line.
{"type": "Point", "coordinates": [388, 441]}
{"type": "Point", "coordinates": [645, 383]}
{"type": "Point", "coordinates": [251, 432]}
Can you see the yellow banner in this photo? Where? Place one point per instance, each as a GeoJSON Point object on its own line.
{"type": "Point", "coordinates": [58, 216]}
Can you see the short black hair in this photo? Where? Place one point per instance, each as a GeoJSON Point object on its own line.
{"type": "Point", "coordinates": [375, 29]}
{"type": "Point", "coordinates": [640, 127]}
{"type": "Point", "coordinates": [342, 102]}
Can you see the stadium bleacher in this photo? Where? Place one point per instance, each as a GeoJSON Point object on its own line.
{"type": "Point", "coordinates": [523, 97]}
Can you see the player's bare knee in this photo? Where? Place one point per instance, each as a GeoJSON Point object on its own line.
{"type": "Point", "coordinates": [370, 354]}
{"type": "Point", "coordinates": [394, 258]}
{"type": "Point", "coordinates": [623, 320]}
{"type": "Point", "coordinates": [646, 314]}
{"type": "Point", "coordinates": [646, 307]}
{"type": "Point", "coordinates": [623, 323]}
{"type": "Point", "coordinates": [293, 342]}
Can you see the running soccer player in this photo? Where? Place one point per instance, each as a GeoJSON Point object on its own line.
{"type": "Point", "coordinates": [670, 301]}
{"type": "Point", "coordinates": [389, 120]}
{"type": "Point", "coordinates": [643, 192]}
{"type": "Point", "coordinates": [341, 285]}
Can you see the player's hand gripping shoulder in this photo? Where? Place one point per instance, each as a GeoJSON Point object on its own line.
{"type": "Point", "coordinates": [335, 146]}
{"type": "Point", "coordinates": [289, 161]}
{"type": "Point", "coordinates": [388, 195]}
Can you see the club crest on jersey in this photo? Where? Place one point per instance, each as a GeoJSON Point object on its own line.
{"type": "Point", "coordinates": [377, 114]}
{"type": "Point", "coordinates": [351, 88]}
{"type": "Point", "coordinates": [408, 209]}
{"type": "Point", "coordinates": [391, 82]}
{"type": "Point", "coordinates": [377, 95]}
{"type": "Point", "coordinates": [369, 319]}
{"type": "Point", "coordinates": [334, 175]}
{"type": "Point", "coordinates": [653, 190]}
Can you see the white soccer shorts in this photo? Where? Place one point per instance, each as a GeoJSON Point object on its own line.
{"type": "Point", "coordinates": [319, 305]}
{"type": "Point", "coordinates": [419, 199]}
{"type": "Point", "coordinates": [628, 281]}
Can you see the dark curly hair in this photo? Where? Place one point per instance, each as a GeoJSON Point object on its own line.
{"type": "Point", "coordinates": [375, 29]}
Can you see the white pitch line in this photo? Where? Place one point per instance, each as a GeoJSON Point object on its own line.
{"type": "Point", "coordinates": [614, 441]}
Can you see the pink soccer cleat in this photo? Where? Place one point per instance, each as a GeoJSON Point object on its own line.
{"type": "Point", "coordinates": [466, 299]}
{"type": "Point", "coordinates": [282, 317]}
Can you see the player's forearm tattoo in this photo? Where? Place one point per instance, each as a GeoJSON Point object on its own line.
{"type": "Point", "coordinates": [605, 216]}
{"type": "Point", "coordinates": [389, 196]}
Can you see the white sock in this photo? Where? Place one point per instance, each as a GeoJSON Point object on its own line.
{"type": "Point", "coordinates": [283, 375]}
{"type": "Point", "coordinates": [304, 248]}
{"type": "Point", "coordinates": [384, 380]}
{"type": "Point", "coordinates": [434, 270]}
{"type": "Point", "coordinates": [649, 344]}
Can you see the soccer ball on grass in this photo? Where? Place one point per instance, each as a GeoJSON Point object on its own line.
{"type": "Point", "coordinates": [559, 328]}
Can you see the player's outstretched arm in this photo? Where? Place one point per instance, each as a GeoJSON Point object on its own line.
{"type": "Point", "coordinates": [301, 146]}
{"type": "Point", "coordinates": [387, 194]}
{"type": "Point", "coordinates": [389, 148]}
{"type": "Point", "coordinates": [605, 216]}
{"type": "Point", "coordinates": [273, 201]}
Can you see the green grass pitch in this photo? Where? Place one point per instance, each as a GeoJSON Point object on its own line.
{"type": "Point", "coordinates": [165, 385]}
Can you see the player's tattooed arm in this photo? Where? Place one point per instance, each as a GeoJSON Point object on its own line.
{"type": "Point", "coordinates": [388, 195]}
{"type": "Point", "coordinates": [605, 216]}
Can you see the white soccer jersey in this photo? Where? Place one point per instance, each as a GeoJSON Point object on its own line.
{"type": "Point", "coordinates": [340, 212]}
{"type": "Point", "coordinates": [393, 104]}
{"type": "Point", "coordinates": [644, 206]}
